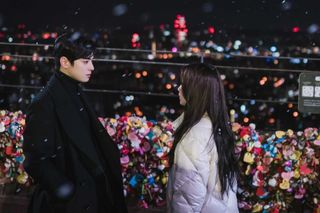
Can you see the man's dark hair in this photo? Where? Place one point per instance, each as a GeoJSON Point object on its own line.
{"type": "Point", "coordinates": [72, 46]}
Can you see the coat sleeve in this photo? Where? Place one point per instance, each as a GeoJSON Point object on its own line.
{"type": "Point", "coordinates": [40, 150]}
{"type": "Point", "coordinates": [193, 172]}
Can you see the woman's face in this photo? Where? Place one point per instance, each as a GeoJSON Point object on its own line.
{"type": "Point", "coordinates": [181, 97]}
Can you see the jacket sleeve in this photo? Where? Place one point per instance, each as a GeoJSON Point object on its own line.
{"type": "Point", "coordinates": [193, 172]}
{"type": "Point", "coordinates": [40, 150]}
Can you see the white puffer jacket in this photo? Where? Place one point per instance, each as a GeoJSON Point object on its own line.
{"type": "Point", "coordinates": [194, 184]}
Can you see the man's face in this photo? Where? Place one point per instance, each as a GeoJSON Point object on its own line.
{"type": "Point", "coordinates": [81, 70]}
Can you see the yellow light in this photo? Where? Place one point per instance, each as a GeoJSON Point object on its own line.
{"type": "Point", "coordinates": [262, 82]}
{"type": "Point", "coordinates": [168, 86]}
{"type": "Point", "coordinates": [232, 115]}
{"type": "Point", "coordinates": [231, 86]}
{"type": "Point", "coordinates": [271, 120]}
{"type": "Point", "coordinates": [172, 76]}
{"type": "Point", "coordinates": [138, 75]}
{"type": "Point", "coordinates": [144, 73]}
{"type": "Point", "coordinates": [195, 49]}
{"type": "Point", "coordinates": [139, 113]}
{"type": "Point", "coordinates": [279, 82]}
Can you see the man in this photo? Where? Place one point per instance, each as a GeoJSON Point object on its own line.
{"type": "Point", "coordinates": [73, 161]}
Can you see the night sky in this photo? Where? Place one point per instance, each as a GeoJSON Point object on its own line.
{"type": "Point", "coordinates": [245, 14]}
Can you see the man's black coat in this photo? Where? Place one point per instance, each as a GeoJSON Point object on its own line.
{"type": "Point", "coordinates": [63, 161]}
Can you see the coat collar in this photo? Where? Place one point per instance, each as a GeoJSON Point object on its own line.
{"type": "Point", "coordinates": [70, 120]}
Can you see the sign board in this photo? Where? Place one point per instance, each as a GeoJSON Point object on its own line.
{"type": "Point", "coordinates": [309, 92]}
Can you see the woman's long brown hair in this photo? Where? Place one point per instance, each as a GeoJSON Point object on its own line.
{"type": "Point", "coordinates": [204, 93]}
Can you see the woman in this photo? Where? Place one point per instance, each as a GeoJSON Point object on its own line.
{"type": "Point", "coordinates": [204, 166]}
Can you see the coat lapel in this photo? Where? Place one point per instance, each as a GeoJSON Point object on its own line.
{"type": "Point", "coordinates": [71, 121]}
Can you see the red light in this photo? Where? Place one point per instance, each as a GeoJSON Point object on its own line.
{"type": "Point", "coordinates": [13, 68]}
{"type": "Point", "coordinates": [135, 40]}
{"type": "Point", "coordinates": [211, 30]}
{"type": "Point", "coordinates": [46, 35]}
{"type": "Point", "coordinates": [179, 22]}
{"type": "Point", "coordinates": [135, 37]}
{"type": "Point", "coordinates": [6, 58]}
{"type": "Point", "coordinates": [296, 29]}
{"type": "Point", "coordinates": [21, 26]}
